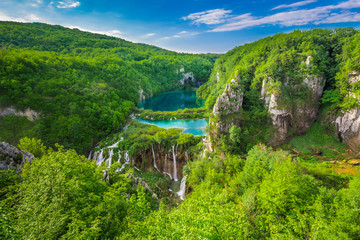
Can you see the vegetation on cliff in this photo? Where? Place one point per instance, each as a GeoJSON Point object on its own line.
{"type": "Point", "coordinates": [304, 189]}
{"type": "Point", "coordinates": [84, 85]}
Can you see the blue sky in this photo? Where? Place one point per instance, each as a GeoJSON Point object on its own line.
{"type": "Point", "coordinates": [186, 26]}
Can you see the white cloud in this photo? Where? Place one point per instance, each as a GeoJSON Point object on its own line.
{"type": "Point", "coordinates": [214, 16]}
{"type": "Point", "coordinates": [37, 3]}
{"type": "Point", "coordinates": [112, 33]}
{"type": "Point", "coordinates": [297, 4]}
{"type": "Point", "coordinates": [341, 17]}
{"type": "Point", "coordinates": [68, 4]}
{"type": "Point", "coordinates": [323, 14]}
{"type": "Point", "coordinates": [26, 18]}
{"type": "Point", "coordinates": [148, 35]}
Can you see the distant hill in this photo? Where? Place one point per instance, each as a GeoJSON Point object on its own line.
{"type": "Point", "coordinates": [84, 84]}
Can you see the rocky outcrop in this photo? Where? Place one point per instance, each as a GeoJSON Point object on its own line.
{"type": "Point", "coordinates": [227, 108]}
{"type": "Point", "coordinates": [347, 124]}
{"type": "Point", "coordinates": [298, 115]}
{"type": "Point", "coordinates": [13, 158]}
{"type": "Point", "coordinates": [347, 127]}
{"type": "Point", "coordinates": [141, 95]}
{"type": "Point", "coordinates": [31, 115]}
{"type": "Point", "coordinates": [189, 79]}
{"type": "Point", "coordinates": [169, 162]}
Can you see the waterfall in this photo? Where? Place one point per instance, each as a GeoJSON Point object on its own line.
{"type": "Point", "coordinates": [174, 159]}
{"type": "Point", "coordinates": [115, 145]}
{"type": "Point", "coordinates": [181, 192]}
{"type": "Point", "coordinates": [109, 160]}
{"type": "Point", "coordinates": [152, 148]}
{"type": "Point", "coordinates": [100, 158]}
{"type": "Point", "coordinates": [119, 156]}
{"type": "Point", "coordinates": [166, 167]}
{"type": "Point", "coordinates": [90, 155]}
{"type": "Point", "coordinates": [186, 156]}
{"type": "Point", "coordinates": [127, 161]}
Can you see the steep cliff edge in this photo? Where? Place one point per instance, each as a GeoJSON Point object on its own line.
{"type": "Point", "coordinates": [13, 158]}
{"type": "Point", "coordinates": [297, 115]}
{"type": "Point", "coordinates": [227, 108]}
{"type": "Point", "coordinates": [282, 80]}
{"type": "Point", "coordinates": [347, 124]}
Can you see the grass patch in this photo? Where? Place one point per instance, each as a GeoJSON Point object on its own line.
{"type": "Point", "coordinates": [316, 141]}
{"type": "Point", "coordinates": [13, 128]}
{"type": "Point", "coordinates": [187, 113]}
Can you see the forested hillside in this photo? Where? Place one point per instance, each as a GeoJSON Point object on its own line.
{"type": "Point", "coordinates": [281, 160]}
{"type": "Point", "coordinates": [84, 85]}
{"type": "Point", "coordinates": [282, 81]}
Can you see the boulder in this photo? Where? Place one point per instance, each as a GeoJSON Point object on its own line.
{"type": "Point", "coordinates": [227, 108]}
{"type": "Point", "coordinates": [13, 158]}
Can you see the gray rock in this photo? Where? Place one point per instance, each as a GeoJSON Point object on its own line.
{"type": "Point", "coordinates": [348, 123]}
{"type": "Point", "coordinates": [299, 117]}
{"type": "Point", "coordinates": [13, 158]}
{"type": "Point", "coordinates": [229, 103]}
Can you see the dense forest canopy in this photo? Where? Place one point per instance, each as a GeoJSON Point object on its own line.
{"type": "Point", "coordinates": [84, 85]}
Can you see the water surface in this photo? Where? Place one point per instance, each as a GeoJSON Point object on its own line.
{"type": "Point", "coordinates": [172, 101]}
{"type": "Point", "coordinates": [195, 127]}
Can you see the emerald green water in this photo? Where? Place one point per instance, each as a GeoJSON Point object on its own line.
{"type": "Point", "coordinates": [172, 101]}
{"type": "Point", "coordinates": [195, 127]}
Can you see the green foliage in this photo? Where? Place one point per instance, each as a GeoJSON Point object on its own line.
{"type": "Point", "coordinates": [316, 141]}
{"type": "Point", "coordinates": [13, 128]}
{"type": "Point", "coordinates": [192, 113]}
{"type": "Point", "coordinates": [85, 85]}
{"type": "Point", "coordinates": [33, 146]}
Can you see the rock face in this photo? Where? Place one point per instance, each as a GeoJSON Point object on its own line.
{"type": "Point", "coordinates": [141, 95]}
{"type": "Point", "coordinates": [347, 127]}
{"type": "Point", "coordinates": [227, 108]}
{"type": "Point", "coordinates": [169, 162]}
{"type": "Point", "coordinates": [13, 158]}
{"type": "Point", "coordinates": [188, 78]}
{"type": "Point", "coordinates": [348, 123]}
{"type": "Point", "coordinates": [299, 115]}
{"type": "Point", "coordinates": [31, 115]}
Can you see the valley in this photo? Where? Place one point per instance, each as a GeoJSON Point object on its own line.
{"type": "Point", "coordinates": [107, 139]}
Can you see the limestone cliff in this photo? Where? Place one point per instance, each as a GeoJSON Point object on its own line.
{"type": "Point", "coordinates": [13, 158]}
{"type": "Point", "coordinates": [31, 115]}
{"type": "Point", "coordinates": [347, 124]}
{"type": "Point", "coordinates": [169, 162]}
{"type": "Point", "coordinates": [227, 108]}
{"type": "Point", "coordinates": [299, 114]}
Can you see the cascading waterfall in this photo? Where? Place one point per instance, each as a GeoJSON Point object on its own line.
{"type": "Point", "coordinates": [127, 161]}
{"type": "Point", "coordinates": [186, 156]}
{"type": "Point", "coordinates": [166, 167]}
{"type": "Point", "coordinates": [109, 160]}
{"type": "Point", "coordinates": [119, 156]}
{"type": "Point", "coordinates": [181, 192]}
{"type": "Point", "coordinates": [174, 159]}
{"type": "Point", "coordinates": [152, 148]}
{"type": "Point", "coordinates": [100, 158]}
{"type": "Point", "coordinates": [90, 155]}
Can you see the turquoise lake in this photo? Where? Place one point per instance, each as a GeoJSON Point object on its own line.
{"type": "Point", "coordinates": [195, 127]}
{"type": "Point", "coordinates": [172, 101]}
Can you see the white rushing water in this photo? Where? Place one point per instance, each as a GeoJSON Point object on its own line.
{"type": "Point", "coordinates": [181, 192]}
{"type": "Point", "coordinates": [175, 169]}
{"type": "Point", "coordinates": [127, 161]}
{"type": "Point", "coordinates": [167, 167]}
{"type": "Point", "coordinates": [100, 157]}
{"type": "Point", "coordinates": [154, 159]}
{"type": "Point", "coordinates": [109, 160]}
